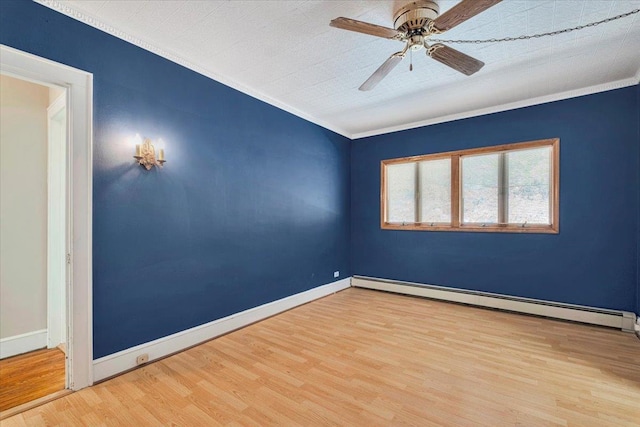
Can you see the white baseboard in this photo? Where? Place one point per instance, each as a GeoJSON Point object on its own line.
{"type": "Point", "coordinates": [23, 343]}
{"type": "Point", "coordinates": [124, 360]}
{"type": "Point", "coordinates": [597, 316]}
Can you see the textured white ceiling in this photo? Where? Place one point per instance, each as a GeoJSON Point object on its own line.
{"type": "Point", "coordinates": [285, 53]}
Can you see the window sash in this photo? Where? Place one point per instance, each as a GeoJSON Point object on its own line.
{"type": "Point", "coordinates": [418, 193]}
{"type": "Point", "coordinates": [428, 174]}
{"type": "Point", "coordinates": [503, 187]}
{"type": "Point", "coordinates": [512, 183]}
{"type": "Point", "coordinates": [456, 158]}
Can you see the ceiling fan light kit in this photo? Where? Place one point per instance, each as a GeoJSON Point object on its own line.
{"type": "Point", "coordinates": [413, 24]}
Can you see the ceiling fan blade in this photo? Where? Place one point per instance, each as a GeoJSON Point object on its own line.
{"type": "Point", "coordinates": [382, 72]}
{"type": "Point", "coordinates": [461, 12]}
{"type": "Point", "coordinates": [454, 59]}
{"type": "Point", "coordinates": [364, 27]}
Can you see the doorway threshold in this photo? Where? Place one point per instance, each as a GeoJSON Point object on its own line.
{"type": "Point", "coordinates": [33, 404]}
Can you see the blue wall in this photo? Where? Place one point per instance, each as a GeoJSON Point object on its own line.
{"type": "Point", "coordinates": [593, 261]}
{"type": "Point", "coordinates": [252, 205]}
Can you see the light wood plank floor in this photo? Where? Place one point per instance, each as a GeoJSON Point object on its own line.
{"type": "Point", "coordinates": [30, 376]}
{"type": "Point", "coordinates": [364, 357]}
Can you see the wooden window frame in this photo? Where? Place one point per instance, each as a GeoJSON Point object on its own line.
{"type": "Point", "coordinates": [456, 191]}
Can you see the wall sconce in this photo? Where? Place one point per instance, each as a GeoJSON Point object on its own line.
{"type": "Point", "coordinates": [146, 155]}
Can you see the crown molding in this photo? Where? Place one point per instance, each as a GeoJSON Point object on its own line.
{"type": "Point", "coordinates": [96, 23]}
{"type": "Point", "coordinates": [631, 81]}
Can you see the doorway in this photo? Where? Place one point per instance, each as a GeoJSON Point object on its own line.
{"type": "Point", "coordinates": [66, 326]}
{"type": "Point", "coordinates": [33, 230]}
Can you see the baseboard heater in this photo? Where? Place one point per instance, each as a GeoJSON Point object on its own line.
{"type": "Point", "coordinates": [596, 316]}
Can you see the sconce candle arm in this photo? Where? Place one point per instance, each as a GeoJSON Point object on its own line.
{"type": "Point", "coordinates": [146, 155]}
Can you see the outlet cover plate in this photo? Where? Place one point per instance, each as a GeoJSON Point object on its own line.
{"type": "Point", "coordinates": [142, 359]}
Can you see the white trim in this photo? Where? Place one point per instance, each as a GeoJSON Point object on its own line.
{"type": "Point", "coordinates": [637, 76]}
{"type": "Point", "coordinates": [604, 87]}
{"type": "Point", "coordinates": [57, 105]}
{"type": "Point", "coordinates": [124, 360]}
{"type": "Point", "coordinates": [79, 85]}
{"type": "Point", "coordinates": [577, 313]}
{"type": "Point", "coordinates": [57, 224]}
{"type": "Point", "coordinates": [23, 343]}
{"type": "Point", "coordinates": [254, 93]}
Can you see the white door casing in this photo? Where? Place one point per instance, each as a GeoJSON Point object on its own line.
{"type": "Point", "coordinates": [79, 103]}
{"type": "Point", "coordinates": [57, 236]}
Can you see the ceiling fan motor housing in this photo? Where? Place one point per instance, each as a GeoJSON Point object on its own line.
{"type": "Point", "coordinates": [415, 16]}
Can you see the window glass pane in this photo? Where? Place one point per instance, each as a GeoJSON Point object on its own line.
{"type": "Point", "coordinates": [435, 191]}
{"type": "Point", "coordinates": [401, 189]}
{"type": "Point", "coordinates": [480, 188]}
{"type": "Point", "coordinates": [529, 185]}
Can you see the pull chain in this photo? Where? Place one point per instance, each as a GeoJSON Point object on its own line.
{"type": "Point", "coordinates": [535, 36]}
{"type": "Point", "coordinates": [410, 59]}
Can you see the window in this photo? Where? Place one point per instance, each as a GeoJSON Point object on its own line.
{"type": "Point", "coordinates": [512, 188]}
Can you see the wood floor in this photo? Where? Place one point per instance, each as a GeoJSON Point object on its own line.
{"type": "Point", "coordinates": [30, 376]}
{"type": "Point", "coordinates": [369, 358]}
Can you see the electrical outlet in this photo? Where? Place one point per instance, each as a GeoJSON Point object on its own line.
{"type": "Point", "coordinates": [142, 359]}
{"type": "Point", "coordinates": [336, 274]}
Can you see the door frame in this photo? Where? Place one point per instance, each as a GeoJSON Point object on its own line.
{"type": "Point", "coordinates": [79, 86]}
{"type": "Point", "coordinates": [57, 226]}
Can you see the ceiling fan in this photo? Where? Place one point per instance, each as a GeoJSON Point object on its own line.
{"type": "Point", "coordinates": [414, 23]}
